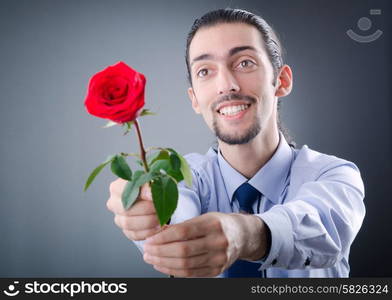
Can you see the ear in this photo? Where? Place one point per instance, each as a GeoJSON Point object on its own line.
{"type": "Point", "coordinates": [195, 103]}
{"type": "Point", "coordinates": [284, 82]}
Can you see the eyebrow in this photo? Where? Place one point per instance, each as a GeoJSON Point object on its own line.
{"type": "Point", "coordinates": [232, 52]}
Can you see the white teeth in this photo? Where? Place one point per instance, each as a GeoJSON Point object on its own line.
{"type": "Point", "coordinates": [232, 110]}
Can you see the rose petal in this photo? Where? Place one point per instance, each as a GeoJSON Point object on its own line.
{"type": "Point", "coordinates": [116, 93]}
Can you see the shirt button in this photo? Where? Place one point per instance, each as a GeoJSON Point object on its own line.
{"type": "Point", "coordinates": [274, 262]}
{"type": "Point", "coordinates": [307, 262]}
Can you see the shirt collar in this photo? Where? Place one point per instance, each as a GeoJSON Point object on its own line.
{"type": "Point", "coordinates": [270, 180]}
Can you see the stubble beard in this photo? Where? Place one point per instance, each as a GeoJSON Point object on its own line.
{"type": "Point", "coordinates": [237, 139]}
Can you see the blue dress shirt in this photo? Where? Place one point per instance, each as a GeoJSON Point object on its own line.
{"type": "Point", "coordinates": [311, 202]}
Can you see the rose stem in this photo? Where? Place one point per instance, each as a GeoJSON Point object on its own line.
{"type": "Point", "coordinates": [142, 151]}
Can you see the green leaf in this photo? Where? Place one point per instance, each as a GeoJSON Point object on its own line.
{"type": "Point", "coordinates": [162, 164]}
{"type": "Point", "coordinates": [171, 150]}
{"type": "Point", "coordinates": [110, 124]}
{"type": "Point", "coordinates": [128, 126]}
{"type": "Point", "coordinates": [131, 190]}
{"type": "Point", "coordinates": [120, 168]}
{"type": "Point", "coordinates": [146, 112]}
{"type": "Point", "coordinates": [175, 161]}
{"type": "Point", "coordinates": [165, 196]}
{"type": "Point", "coordinates": [163, 154]}
{"type": "Point", "coordinates": [96, 171]}
{"type": "Point", "coordinates": [185, 169]}
{"type": "Point", "coordinates": [109, 159]}
{"type": "Point", "coordinates": [165, 165]}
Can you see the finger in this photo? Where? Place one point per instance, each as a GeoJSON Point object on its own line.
{"type": "Point", "coordinates": [210, 259]}
{"type": "Point", "coordinates": [145, 192]}
{"type": "Point", "coordinates": [201, 272]}
{"type": "Point", "coordinates": [213, 242]}
{"type": "Point", "coordinates": [136, 222]}
{"type": "Point", "coordinates": [140, 235]}
{"type": "Point", "coordinates": [116, 187]}
{"type": "Point", "coordinates": [188, 230]}
{"type": "Point", "coordinates": [178, 249]}
{"type": "Point", "coordinates": [140, 207]}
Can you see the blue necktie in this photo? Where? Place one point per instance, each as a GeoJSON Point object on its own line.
{"type": "Point", "coordinates": [246, 196]}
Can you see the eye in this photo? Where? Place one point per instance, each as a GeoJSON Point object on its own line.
{"type": "Point", "coordinates": [246, 63]}
{"type": "Point", "coordinates": [202, 73]}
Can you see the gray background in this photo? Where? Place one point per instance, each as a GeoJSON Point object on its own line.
{"type": "Point", "coordinates": [49, 49]}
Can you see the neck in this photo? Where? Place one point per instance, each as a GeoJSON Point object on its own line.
{"type": "Point", "coordinates": [249, 158]}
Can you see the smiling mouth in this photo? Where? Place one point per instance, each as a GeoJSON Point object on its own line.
{"type": "Point", "coordinates": [233, 109]}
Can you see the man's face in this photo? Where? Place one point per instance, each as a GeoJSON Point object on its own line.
{"type": "Point", "coordinates": [233, 81]}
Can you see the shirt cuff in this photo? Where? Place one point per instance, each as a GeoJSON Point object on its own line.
{"type": "Point", "coordinates": [282, 241]}
{"type": "Point", "coordinates": [139, 245]}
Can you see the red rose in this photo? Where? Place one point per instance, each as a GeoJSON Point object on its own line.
{"type": "Point", "coordinates": [116, 93]}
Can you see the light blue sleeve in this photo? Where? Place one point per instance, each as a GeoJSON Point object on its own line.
{"type": "Point", "coordinates": [316, 226]}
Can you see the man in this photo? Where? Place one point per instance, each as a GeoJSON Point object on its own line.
{"type": "Point", "coordinates": [258, 207]}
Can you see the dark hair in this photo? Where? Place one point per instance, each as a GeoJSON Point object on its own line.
{"type": "Point", "coordinates": [269, 36]}
{"type": "Point", "coordinates": [228, 15]}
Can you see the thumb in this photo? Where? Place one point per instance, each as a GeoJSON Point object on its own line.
{"type": "Point", "coordinates": [145, 192]}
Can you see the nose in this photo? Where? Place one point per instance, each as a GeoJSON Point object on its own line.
{"type": "Point", "coordinates": [226, 82]}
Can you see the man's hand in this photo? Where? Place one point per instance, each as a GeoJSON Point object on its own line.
{"type": "Point", "coordinates": [206, 245]}
{"type": "Point", "coordinates": [140, 221]}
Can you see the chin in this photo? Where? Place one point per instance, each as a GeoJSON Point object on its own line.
{"type": "Point", "coordinates": [238, 139]}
